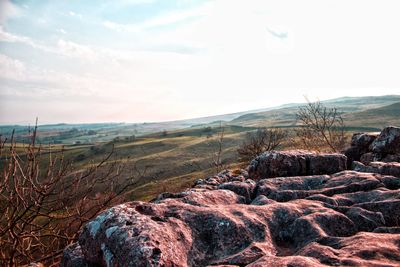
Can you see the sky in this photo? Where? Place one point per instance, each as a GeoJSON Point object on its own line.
{"type": "Point", "coordinates": [157, 60]}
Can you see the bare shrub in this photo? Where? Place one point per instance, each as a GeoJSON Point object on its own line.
{"type": "Point", "coordinates": [321, 128]}
{"type": "Point", "coordinates": [260, 141]}
{"type": "Point", "coordinates": [218, 152]}
{"type": "Point", "coordinates": [44, 202]}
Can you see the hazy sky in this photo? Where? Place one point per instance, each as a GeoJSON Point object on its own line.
{"type": "Point", "coordinates": [153, 60]}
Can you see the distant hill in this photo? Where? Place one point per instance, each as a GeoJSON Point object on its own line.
{"type": "Point", "coordinates": [383, 116]}
{"type": "Point", "coordinates": [369, 111]}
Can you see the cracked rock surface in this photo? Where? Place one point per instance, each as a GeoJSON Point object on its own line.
{"type": "Point", "coordinates": [348, 218]}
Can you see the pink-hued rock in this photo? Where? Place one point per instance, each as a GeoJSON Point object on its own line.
{"type": "Point", "coordinates": [388, 142]}
{"type": "Point", "coordinates": [370, 147]}
{"type": "Point", "coordinates": [349, 218]}
{"type": "Point", "coordinates": [386, 168]}
{"type": "Point", "coordinates": [295, 163]}
{"type": "Point", "coordinates": [220, 178]}
{"type": "Point", "coordinates": [362, 249]}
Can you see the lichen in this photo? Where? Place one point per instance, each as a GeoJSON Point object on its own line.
{"type": "Point", "coordinates": [94, 226]}
{"type": "Point", "coordinates": [107, 255]}
{"type": "Point", "coordinates": [110, 231]}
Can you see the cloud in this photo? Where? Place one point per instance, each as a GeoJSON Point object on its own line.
{"type": "Point", "coordinates": [115, 26]}
{"type": "Point", "coordinates": [61, 31]}
{"type": "Point", "coordinates": [64, 48]}
{"type": "Point", "coordinates": [71, 49]}
{"type": "Point", "coordinates": [73, 14]}
{"type": "Point", "coordinates": [280, 35]}
{"type": "Point", "coordinates": [8, 10]}
{"type": "Point", "coordinates": [11, 68]}
{"type": "Point", "coordinates": [13, 38]}
{"type": "Point", "coordinates": [9, 37]}
{"type": "Point", "coordinates": [133, 2]}
{"type": "Point", "coordinates": [21, 79]}
{"type": "Point", "coordinates": [162, 20]}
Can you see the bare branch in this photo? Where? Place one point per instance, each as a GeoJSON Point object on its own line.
{"type": "Point", "coordinates": [260, 141]}
{"type": "Point", "coordinates": [44, 202]}
{"type": "Point", "coordinates": [320, 128]}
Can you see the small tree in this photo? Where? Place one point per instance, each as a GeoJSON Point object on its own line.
{"type": "Point", "coordinates": [44, 202]}
{"type": "Point", "coordinates": [320, 128]}
{"type": "Point", "coordinates": [217, 155]}
{"type": "Point", "coordinates": [260, 141]}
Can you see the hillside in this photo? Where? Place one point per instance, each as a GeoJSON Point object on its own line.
{"type": "Point", "coordinates": [382, 116]}
{"type": "Point", "coordinates": [281, 116]}
{"type": "Point", "coordinates": [360, 107]}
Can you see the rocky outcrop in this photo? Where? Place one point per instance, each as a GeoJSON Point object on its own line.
{"type": "Point", "coordinates": [391, 168]}
{"type": "Point", "coordinates": [348, 218]}
{"type": "Point", "coordinates": [388, 142]}
{"type": "Point", "coordinates": [223, 177]}
{"type": "Point", "coordinates": [295, 163]}
{"type": "Point", "coordinates": [369, 147]}
{"type": "Point", "coordinates": [360, 143]}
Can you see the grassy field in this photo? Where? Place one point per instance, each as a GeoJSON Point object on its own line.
{"type": "Point", "coordinates": [167, 162]}
{"type": "Point", "coordinates": [172, 162]}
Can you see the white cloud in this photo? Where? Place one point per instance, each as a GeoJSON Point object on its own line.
{"type": "Point", "coordinates": [11, 68]}
{"type": "Point", "coordinates": [71, 49]}
{"type": "Point", "coordinates": [8, 10]}
{"type": "Point", "coordinates": [9, 37]}
{"type": "Point", "coordinates": [38, 82]}
{"type": "Point", "coordinates": [133, 2]}
{"type": "Point", "coordinates": [280, 35]}
{"type": "Point", "coordinates": [62, 31]}
{"type": "Point", "coordinates": [162, 20]}
{"type": "Point", "coordinates": [73, 14]}
{"type": "Point", "coordinates": [63, 47]}
{"type": "Point", "coordinates": [13, 38]}
{"type": "Point", "coordinates": [114, 26]}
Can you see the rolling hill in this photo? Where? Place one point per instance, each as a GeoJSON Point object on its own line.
{"type": "Point", "coordinates": [375, 117]}
{"type": "Point", "coordinates": [280, 116]}
{"type": "Point", "coordinates": [189, 145]}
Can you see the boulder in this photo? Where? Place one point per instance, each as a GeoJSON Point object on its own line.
{"type": "Point", "coordinates": [388, 142]}
{"type": "Point", "coordinates": [370, 147]}
{"type": "Point", "coordinates": [363, 140]}
{"type": "Point", "coordinates": [348, 218]}
{"type": "Point", "coordinates": [293, 163]}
